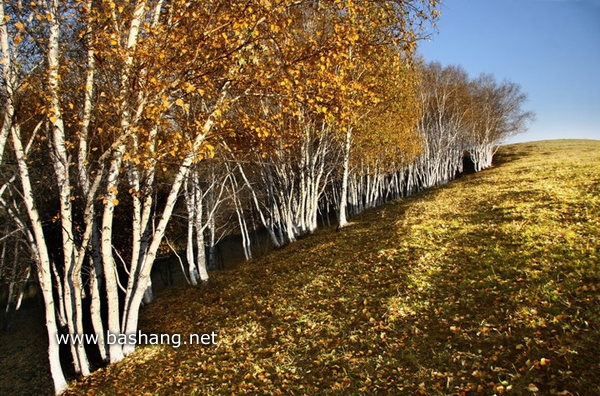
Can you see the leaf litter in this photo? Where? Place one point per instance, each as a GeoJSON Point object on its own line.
{"type": "Point", "coordinates": [488, 285]}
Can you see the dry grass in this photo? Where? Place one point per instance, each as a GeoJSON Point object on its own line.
{"type": "Point", "coordinates": [488, 285]}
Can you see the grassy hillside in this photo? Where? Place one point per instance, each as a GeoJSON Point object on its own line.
{"type": "Point", "coordinates": [489, 284]}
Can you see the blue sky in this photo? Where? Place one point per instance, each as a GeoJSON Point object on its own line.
{"type": "Point", "coordinates": [549, 47]}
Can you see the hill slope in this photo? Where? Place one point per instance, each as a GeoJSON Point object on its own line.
{"type": "Point", "coordinates": [487, 284]}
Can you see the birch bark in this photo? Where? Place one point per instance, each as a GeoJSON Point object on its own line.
{"type": "Point", "coordinates": [43, 264]}
{"type": "Point", "coordinates": [342, 219]}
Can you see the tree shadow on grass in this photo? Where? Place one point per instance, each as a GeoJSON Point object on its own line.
{"type": "Point", "coordinates": [514, 309]}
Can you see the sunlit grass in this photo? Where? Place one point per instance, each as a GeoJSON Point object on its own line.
{"type": "Point", "coordinates": [489, 284]}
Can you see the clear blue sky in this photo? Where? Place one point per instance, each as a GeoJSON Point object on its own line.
{"type": "Point", "coordinates": [549, 47]}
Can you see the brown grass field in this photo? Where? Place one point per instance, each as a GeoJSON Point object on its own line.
{"type": "Point", "coordinates": [488, 285]}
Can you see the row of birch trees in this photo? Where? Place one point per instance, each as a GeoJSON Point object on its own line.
{"type": "Point", "coordinates": [462, 118]}
{"type": "Point", "coordinates": [131, 129]}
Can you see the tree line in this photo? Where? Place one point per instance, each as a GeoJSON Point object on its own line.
{"type": "Point", "coordinates": [127, 125]}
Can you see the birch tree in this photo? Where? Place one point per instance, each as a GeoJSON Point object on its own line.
{"type": "Point", "coordinates": [331, 69]}
{"type": "Point", "coordinates": [442, 124]}
{"type": "Point", "coordinates": [125, 99]}
{"type": "Point", "coordinates": [34, 231]}
{"type": "Point", "coordinates": [375, 32]}
{"type": "Point", "coordinates": [204, 193]}
{"type": "Point", "coordinates": [125, 126]}
{"type": "Point", "coordinates": [462, 116]}
{"type": "Point", "coordinates": [497, 114]}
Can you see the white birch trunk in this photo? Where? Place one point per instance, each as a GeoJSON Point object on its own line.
{"type": "Point", "coordinates": [96, 308]}
{"type": "Point", "coordinates": [241, 219]}
{"type": "Point", "coordinates": [43, 265]}
{"type": "Point", "coordinates": [342, 220]}
{"type": "Point", "coordinates": [60, 161]}
{"type": "Point", "coordinates": [268, 224]}
{"type": "Point", "coordinates": [13, 276]}
{"type": "Point", "coordinates": [131, 311]}
{"type": "Point", "coordinates": [190, 202]}
{"type": "Point", "coordinates": [9, 82]}
{"type": "Point", "coordinates": [201, 252]}
{"type": "Point", "coordinates": [36, 237]}
{"type": "Point", "coordinates": [116, 351]}
{"type": "Point", "coordinates": [148, 293]}
{"type": "Point", "coordinates": [108, 262]}
{"type": "Point", "coordinates": [22, 289]}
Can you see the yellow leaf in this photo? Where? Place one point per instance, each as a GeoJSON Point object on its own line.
{"type": "Point", "coordinates": [53, 119]}
{"type": "Point", "coordinates": [189, 87]}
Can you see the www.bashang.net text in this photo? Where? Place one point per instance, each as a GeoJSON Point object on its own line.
{"type": "Point", "coordinates": [139, 338]}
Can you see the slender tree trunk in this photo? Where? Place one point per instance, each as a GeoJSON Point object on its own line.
{"type": "Point", "coordinates": [190, 202]}
{"type": "Point", "coordinates": [241, 219]}
{"type": "Point", "coordinates": [60, 160]}
{"type": "Point", "coordinates": [8, 77]}
{"type": "Point", "coordinates": [23, 288]}
{"type": "Point", "coordinates": [10, 305]}
{"type": "Point", "coordinates": [268, 224]}
{"type": "Point", "coordinates": [201, 252]}
{"type": "Point", "coordinates": [37, 239]}
{"type": "Point", "coordinates": [131, 311]}
{"type": "Point", "coordinates": [342, 220]}
{"type": "Point", "coordinates": [96, 276]}
{"type": "Point", "coordinates": [43, 265]}
{"type": "Point", "coordinates": [109, 266]}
